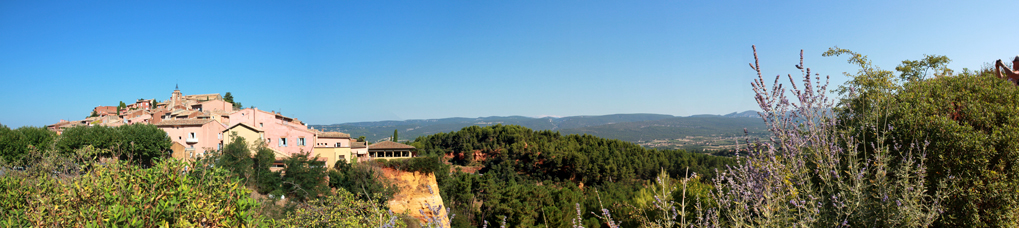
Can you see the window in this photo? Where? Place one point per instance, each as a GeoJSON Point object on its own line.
{"type": "Point", "coordinates": [343, 157]}
{"type": "Point", "coordinates": [220, 136]}
{"type": "Point", "coordinates": [261, 125]}
{"type": "Point", "coordinates": [220, 146]}
{"type": "Point", "coordinates": [283, 142]}
{"type": "Point", "coordinates": [339, 144]}
{"type": "Point", "coordinates": [192, 135]}
{"type": "Point", "coordinates": [300, 141]}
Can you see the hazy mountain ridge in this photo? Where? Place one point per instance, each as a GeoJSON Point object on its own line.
{"type": "Point", "coordinates": [627, 127]}
{"type": "Point", "coordinates": [674, 128]}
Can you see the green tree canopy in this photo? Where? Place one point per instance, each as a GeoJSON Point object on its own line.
{"type": "Point", "coordinates": [266, 181]}
{"type": "Point", "coordinates": [142, 142]}
{"type": "Point", "coordinates": [916, 70]}
{"type": "Point", "coordinates": [236, 157]}
{"type": "Point", "coordinates": [38, 137]}
{"type": "Point", "coordinates": [138, 142]}
{"type": "Point", "coordinates": [228, 97]}
{"type": "Point", "coordinates": [303, 177]}
{"type": "Point", "coordinates": [13, 145]}
{"type": "Point", "coordinates": [121, 106]}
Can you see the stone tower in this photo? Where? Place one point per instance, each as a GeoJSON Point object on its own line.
{"type": "Point", "coordinates": [176, 100]}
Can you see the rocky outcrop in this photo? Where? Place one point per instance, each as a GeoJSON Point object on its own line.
{"type": "Point", "coordinates": [417, 192]}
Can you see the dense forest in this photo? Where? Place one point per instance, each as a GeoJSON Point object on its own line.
{"type": "Point", "coordinates": [538, 178]}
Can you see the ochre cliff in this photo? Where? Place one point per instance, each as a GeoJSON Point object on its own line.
{"type": "Point", "coordinates": [416, 189]}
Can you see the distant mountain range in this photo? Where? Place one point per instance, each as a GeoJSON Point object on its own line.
{"type": "Point", "coordinates": [627, 127]}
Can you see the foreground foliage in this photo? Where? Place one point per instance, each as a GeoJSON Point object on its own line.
{"type": "Point", "coordinates": [85, 189]}
{"type": "Point", "coordinates": [121, 194]}
{"type": "Point", "coordinates": [812, 173]}
{"type": "Point", "coordinates": [341, 209]}
{"type": "Point", "coordinates": [972, 124]}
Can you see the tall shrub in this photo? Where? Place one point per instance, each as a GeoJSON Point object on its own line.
{"type": "Point", "coordinates": [972, 124]}
{"type": "Point", "coordinates": [13, 146]}
{"type": "Point", "coordinates": [812, 174]}
{"type": "Point", "coordinates": [236, 157]}
{"type": "Point", "coordinates": [266, 181]}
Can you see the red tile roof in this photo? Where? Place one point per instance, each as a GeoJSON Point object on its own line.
{"type": "Point", "coordinates": [183, 122]}
{"type": "Point", "coordinates": [358, 144]}
{"type": "Point", "coordinates": [333, 135]}
{"type": "Point", "coordinates": [244, 125]}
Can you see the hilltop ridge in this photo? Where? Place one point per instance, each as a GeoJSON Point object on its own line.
{"type": "Point", "coordinates": [638, 128]}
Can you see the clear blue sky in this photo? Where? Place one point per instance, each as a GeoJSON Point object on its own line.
{"type": "Point", "coordinates": [348, 61]}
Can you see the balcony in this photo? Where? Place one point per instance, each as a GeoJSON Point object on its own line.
{"type": "Point", "coordinates": [192, 140]}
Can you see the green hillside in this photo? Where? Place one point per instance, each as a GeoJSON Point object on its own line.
{"type": "Point", "coordinates": [713, 132]}
{"type": "Point", "coordinates": [542, 178]}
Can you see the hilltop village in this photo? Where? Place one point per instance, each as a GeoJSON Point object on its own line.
{"type": "Point", "coordinates": [197, 124]}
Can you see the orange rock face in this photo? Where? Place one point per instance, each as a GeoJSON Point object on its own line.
{"type": "Point", "coordinates": [417, 192]}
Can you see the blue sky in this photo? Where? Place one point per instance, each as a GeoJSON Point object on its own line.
{"type": "Point", "coordinates": [348, 61]}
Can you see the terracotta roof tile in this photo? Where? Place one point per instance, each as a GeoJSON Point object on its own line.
{"type": "Point", "coordinates": [358, 144]}
{"type": "Point", "coordinates": [389, 145]}
{"type": "Point", "coordinates": [244, 125]}
{"type": "Point", "coordinates": [181, 122]}
{"type": "Point", "coordinates": [333, 135]}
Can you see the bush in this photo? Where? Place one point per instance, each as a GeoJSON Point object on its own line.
{"type": "Point", "coordinates": [365, 181]}
{"type": "Point", "coordinates": [13, 145]}
{"type": "Point", "coordinates": [137, 142]}
{"type": "Point", "coordinates": [972, 125]}
{"type": "Point", "coordinates": [40, 138]}
{"type": "Point", "coordinates": [119, 194]}
{"type": "Point", "coordinates": [341, 209]}
{"type": "Point", "coordinates": [266, 181]}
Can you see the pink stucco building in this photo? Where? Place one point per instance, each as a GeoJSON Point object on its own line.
{"type": "Point", "coordinates": [197, 135]}
{"type": "Point", "coordinates": [283, 134]}
{"type": "Point", "coordinates": [332, 139]}
{"type": "Point", "coordinates": [213, 105]}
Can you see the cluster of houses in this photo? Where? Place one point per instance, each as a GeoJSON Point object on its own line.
{"type": "Point", "coordinates": [198, 124]}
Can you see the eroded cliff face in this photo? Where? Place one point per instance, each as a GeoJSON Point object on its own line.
{"type": "Point", "coordinates": [418, 191]}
